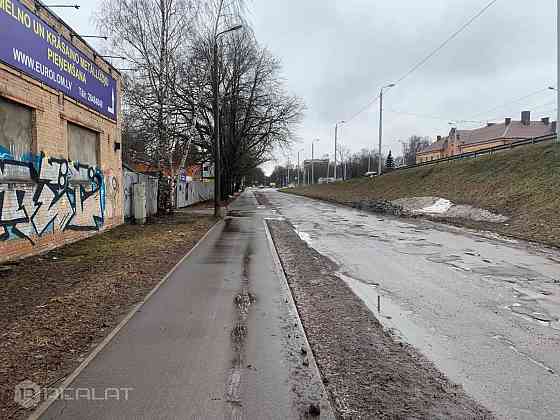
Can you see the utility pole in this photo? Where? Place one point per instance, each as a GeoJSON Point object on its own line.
{"type": "Point", "coordinates": [558, 71]}
{"type": "Point", "coordinates": [335, 145]}
{"type": "Point", "coordinates": [216, 112]}
{"type": "Point", "coordinates": [288, 165]}
{"type": "Point", "coordinates": [217, 151]}
{"type": "Point", "coordinates": [298, 167]}
{"type": "Point", "coordinates": [380, 163]}
{"type": "Point", "coordinates": [312, 159]}
{"type": "Point", "coordinates": [335, 138]}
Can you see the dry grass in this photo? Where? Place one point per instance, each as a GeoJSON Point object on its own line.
{"type": "Point", "coordinates": [522, 183]}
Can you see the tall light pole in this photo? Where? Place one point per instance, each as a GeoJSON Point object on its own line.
{"type": "Point", "coordinates": [313, 161]}
{"type": "Point", "coordinates": [216, 109]}
{"type": "Point", "coordinates": [380, 163]}
{"type": "Point", "coordinates": [298, 167]}
{"type": "Point", "coordinates": [335, 144]}
{"type": "Point", "coordinates": [557, 140]}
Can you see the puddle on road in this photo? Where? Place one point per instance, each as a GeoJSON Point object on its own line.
{"type": "Point", "coordinates": [398, 322]}
{"type": "Point", "coordinates": [391, 316]}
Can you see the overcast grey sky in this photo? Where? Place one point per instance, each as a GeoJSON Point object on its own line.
{"type": "Point", "coordinates": [336, 55]}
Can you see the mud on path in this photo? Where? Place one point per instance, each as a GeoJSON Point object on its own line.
{"type": "Point", "coordinates": [367, 373]}
{"type": "Point", "coordinates": [54, 308]}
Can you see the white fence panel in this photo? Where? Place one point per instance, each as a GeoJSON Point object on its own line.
{"type": "Point", "coordinates": [151, 183]}
{"type": "Point", "coordinates": [189, 193]}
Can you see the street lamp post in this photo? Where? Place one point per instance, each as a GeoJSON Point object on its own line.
{"type": "Point", "coordinates": [335, 144]}
{"type": "Point", "coordinates": [557, 140]}
{"type": "Point", "coordinates": [380, 164]}
{"type": "Point", "coordinates": [216, 111]}
{"type": "Point", "coordinates": [313, 161]}
{"type": "Point", "coordinates": [298, 167]}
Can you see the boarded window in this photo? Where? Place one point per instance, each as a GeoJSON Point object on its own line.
{"type": "Point", "coordinates": [82, 145]}
{"type": "Point", "coordinates": [15, 130]}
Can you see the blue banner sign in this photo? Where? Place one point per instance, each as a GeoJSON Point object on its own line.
{"type": "Point", "coordinates": [33, 47]}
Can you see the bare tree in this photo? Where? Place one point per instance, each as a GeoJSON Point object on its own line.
{"type": "Point", "coordinates": [411, 148]}
{"type": "Point", "coordinates": [344, 155]}
{"type": "Point", "coordinates": [151, 35]}
{"type": "Point", "coordinates": [171, 97]}
{"type": "Point", "coordinates": [256, 114]}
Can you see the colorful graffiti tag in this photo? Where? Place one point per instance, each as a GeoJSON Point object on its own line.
{"type": "Point", "coordinates": [40, 195]}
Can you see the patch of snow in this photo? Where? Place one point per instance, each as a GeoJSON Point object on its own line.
{"type": "Point", "coordinates": [304, 236]}
{"type": "Point", "coordinates": [439, 207]}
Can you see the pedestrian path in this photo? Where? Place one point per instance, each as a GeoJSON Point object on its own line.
{"type": "Point", "coordinates": [210, 343]}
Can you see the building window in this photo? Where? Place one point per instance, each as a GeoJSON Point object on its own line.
{"type": "Point", "coordinates": [83, 145]}
{"type": "Point", "coordinates": [16, 128]}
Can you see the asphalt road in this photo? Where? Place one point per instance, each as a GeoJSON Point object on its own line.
{"type": "Point", "coordinates": [219, 339]}
{"type": "Point", "coordinates": [484, 309]}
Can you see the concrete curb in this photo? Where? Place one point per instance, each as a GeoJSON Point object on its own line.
{"type": "Point", "coordinates": [41, 409]}
{"type": "Point", "coordinates": [327, 411]}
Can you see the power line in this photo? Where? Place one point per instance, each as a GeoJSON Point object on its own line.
{"type": "Point", "coordinates": [447, 41]}
{"type": "Point", "coordinates": [509, 102]}
{"type": "Point", "coordinates": [433, 117]}
{"type": "Point", "coordinates": [370, 103]}
{"type": "Point", "coordinates": [532, 108]}
{"type": "Point", "coordinates": [430, 55]}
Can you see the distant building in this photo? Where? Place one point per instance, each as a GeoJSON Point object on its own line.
{"type": "Point", "coordinates": [492, 135]}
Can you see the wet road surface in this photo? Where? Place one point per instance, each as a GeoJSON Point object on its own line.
{"type": "Point", "coordinates": [484, 309]}
{"type": "Point", "coordinates": [211, 343]}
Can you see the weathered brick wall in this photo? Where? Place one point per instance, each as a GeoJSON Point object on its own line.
{"type": "Point", "coordinates": [46, 200]}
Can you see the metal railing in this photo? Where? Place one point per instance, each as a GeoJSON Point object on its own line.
{"type": "Point", "coordinates": [478, 153]}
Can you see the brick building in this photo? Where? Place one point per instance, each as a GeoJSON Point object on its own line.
{"type": "Point", "coordinates": [60, 157]}
{"type": "Point", "coordinates": [492, 135]}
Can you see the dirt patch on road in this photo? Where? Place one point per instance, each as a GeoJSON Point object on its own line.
{"type": "Point", "coordinates": [367, 373]}
{"type": "Point", "coordinates": [55, 307]}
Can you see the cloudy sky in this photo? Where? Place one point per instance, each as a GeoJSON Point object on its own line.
{"type": "Point", "coordinates": [336, 54]}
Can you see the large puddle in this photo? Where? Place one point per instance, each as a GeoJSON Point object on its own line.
{"type": "Point", "coordinates": [399, 324]}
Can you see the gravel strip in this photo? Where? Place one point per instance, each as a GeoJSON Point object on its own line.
{"type": "Point", "coordinates": [366, 372]}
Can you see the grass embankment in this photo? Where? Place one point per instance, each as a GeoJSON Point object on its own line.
{"type": "Point", "coordinates": [522, 183]}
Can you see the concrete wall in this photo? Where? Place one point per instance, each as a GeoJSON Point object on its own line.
{"type": "Point", "coordinates": [47, 200]}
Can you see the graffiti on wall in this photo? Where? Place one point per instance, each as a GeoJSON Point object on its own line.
{"type": "Point", "coordinates": [41, 195]}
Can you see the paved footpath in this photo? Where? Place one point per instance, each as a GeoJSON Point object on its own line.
{"type": "Point", "coordinates": [219, 339]}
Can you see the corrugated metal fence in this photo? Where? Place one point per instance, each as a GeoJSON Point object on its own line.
{"type": "Point", "coordinates": [189, 193]}
{"type": "Point", "coordinates": [151, 183]}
